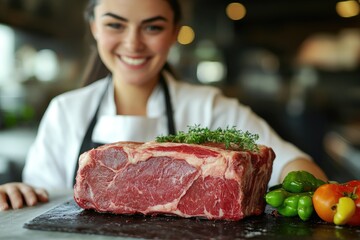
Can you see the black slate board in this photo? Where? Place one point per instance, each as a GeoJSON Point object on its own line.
{"type": "Point", "coordinates": [68, 217]}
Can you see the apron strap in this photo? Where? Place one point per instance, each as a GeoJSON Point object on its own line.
{"type": "Point", "coordinates": [87, 142]}
{"type": "Point", "coordinates": [169, 109]}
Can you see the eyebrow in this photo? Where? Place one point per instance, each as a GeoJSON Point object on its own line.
{"type": "Point", "coordinates": [152, 19]}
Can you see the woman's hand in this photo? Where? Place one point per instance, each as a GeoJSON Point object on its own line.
{"type": "Point", "coordinates": [17, 195]}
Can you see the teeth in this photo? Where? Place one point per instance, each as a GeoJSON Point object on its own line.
{"type": "Point", "coordinates": [133, 61]}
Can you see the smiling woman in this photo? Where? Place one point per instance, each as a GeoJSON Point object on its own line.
{"type": "Point", "coordinates": [138, 100]}
{"type": "Point", "coordinates": [133, 41]}
{"type": "Point", "coordinates": [134, 45]}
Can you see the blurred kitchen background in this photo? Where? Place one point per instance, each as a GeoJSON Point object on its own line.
{"type": "Point", "coordinates": [296, 63]}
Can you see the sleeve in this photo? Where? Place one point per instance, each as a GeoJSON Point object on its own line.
{"type": "Point", "coordinates": [45, 165]}
{"type": "Point", "coordinates": [233, 113]}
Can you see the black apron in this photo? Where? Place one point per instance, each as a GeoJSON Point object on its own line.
{"type": "Point", "coordinates": [87, 142]}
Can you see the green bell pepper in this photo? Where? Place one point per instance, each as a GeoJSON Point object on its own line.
{"type": "Point", "coordinates": [294, 196]}
{"type": "Point", "coordinates": [291, 204]}
{"type": "Point", "coordinates": [301, 181]}
{"type": "Point", "coordinates": [276, 198]}
{"type": "Point", "coordinates": [305, 207]}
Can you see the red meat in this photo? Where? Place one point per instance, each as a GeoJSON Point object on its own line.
{"type": "Point", "coordinates": [187, 180]}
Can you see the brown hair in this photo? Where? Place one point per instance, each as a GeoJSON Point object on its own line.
{"type": "Point", "coordinates": [96, 69]}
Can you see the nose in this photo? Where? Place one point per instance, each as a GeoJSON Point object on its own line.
{"type": "Point", "coordinates": [133, 41]}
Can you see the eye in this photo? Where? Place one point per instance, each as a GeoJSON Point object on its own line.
{"type": "Point", "coordinates": [153, 28]}
{"type": "Point", "coordinates": [116, 26]}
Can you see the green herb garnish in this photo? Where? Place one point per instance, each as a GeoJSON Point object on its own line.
{"type": "Point", "coordinates": [231, 137]}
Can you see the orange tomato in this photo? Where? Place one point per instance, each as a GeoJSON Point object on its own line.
{"type": "Point", "coordinates": [325, 199]}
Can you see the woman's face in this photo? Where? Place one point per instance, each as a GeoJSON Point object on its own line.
{"type": "Point", "coordinates": [134, 37]}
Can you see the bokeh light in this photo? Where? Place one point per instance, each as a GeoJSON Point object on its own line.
{"type": "Point", "coordinates": [186, 35]}
{"type": "Point", "coordinates": [236, 11]}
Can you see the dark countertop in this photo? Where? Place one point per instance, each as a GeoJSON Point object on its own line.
{"type": "Point", "coordinates": [12, 222]}
{"type": "Point", "coordinates": [68, 217]}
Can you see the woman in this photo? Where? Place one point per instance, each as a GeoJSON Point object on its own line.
{"type": "Point", "coordinates": [133, 103]}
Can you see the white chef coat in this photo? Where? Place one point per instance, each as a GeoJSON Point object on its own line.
{"type": "Point", "coordinates": [51, 160]}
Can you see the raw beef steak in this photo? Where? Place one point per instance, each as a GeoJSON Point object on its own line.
{"type": "Point", "coordinates": [187, 180]}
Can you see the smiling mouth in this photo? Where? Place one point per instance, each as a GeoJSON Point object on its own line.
{"type": "Point", "coordinates": [133, 61]}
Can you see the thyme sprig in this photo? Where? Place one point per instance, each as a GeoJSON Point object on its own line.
{"type": "Point", "coordinates": [231, 137]}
